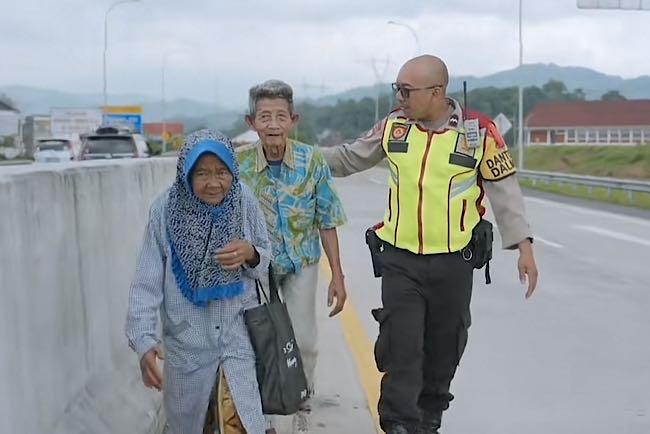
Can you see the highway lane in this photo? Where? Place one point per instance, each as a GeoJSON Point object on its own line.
{"type": "Point", "coordinates": [574, 358]}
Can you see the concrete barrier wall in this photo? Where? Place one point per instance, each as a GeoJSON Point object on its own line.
{"type": "Point", "coordinates": [69, 238]}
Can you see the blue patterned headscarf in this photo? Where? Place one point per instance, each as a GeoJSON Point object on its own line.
{"type": "Point", "coordinates": [196, 230]}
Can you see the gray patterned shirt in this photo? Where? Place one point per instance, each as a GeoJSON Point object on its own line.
{"type": "Point", "coordinates": [197, 340]}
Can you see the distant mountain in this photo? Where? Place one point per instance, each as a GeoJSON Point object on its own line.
{"type": "Point", "coordinates": [356, 94]}
{"type": "Point", "coordinates": [33, 100]}
{"type": "Point", "coordinates": [593, 83]}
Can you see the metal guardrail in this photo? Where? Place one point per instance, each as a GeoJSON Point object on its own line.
{"type": "Point", "coordinates": [14, 162]}
{"type": "Point", "coordinates": [629, 186]}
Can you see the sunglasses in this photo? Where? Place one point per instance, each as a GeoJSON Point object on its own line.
{"type": "Point", "coordinates": [406, 91]}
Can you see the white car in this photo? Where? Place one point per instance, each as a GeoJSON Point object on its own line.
{"type": "Point", "coordinates": [53, 151]}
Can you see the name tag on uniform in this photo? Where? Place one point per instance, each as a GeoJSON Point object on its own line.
{"type": "Point", "coordinates": [462, 160]}
{"type": "Point", "coordinates": [472, 133]}
{"type": "Point", "coordinates": [398, 146]}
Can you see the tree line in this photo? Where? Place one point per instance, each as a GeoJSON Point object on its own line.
{"type": "Point", "coordinates": [352, 118]}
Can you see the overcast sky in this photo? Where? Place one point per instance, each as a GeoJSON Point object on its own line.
{"type": "Point", "coordinates": [217, 49]}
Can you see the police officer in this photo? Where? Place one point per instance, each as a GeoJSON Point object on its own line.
{"type": "Point", "coordinates": [442, 160]}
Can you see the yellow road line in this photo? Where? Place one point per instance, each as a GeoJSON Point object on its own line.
{"type": "Point", "coordinates": [362, 350]}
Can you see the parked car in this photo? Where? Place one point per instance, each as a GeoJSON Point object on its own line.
{"type": "Point", "coordinates": [53, 150]}
{"type": "Point", "coordinates": [111, 142]}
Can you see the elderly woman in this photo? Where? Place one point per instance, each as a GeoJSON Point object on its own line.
{"type": "Point", "coordinates": [205, 244]}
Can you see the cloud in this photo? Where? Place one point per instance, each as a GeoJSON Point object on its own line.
{"type": "Point", "coordinates": [336, 10]}
{"type": "Point", "coordinates": [215, 50]}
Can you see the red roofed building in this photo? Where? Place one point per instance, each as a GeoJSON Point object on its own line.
{"type": "Point", "coordinates": [155, 129]}
{"type": "Point", "coordinates": [625, 122]}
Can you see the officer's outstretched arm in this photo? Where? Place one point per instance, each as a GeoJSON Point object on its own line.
{"type": "Point", "coordinates": [362, 154]}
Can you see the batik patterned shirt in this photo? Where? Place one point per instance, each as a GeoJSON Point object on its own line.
{"type": "Point", "coordinates": [297, 203]}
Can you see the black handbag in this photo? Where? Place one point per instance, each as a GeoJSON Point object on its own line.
{"type": "Point", "coordinates": [280, 373]}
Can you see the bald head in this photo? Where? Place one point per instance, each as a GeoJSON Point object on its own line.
{"type": "Point", "coordinates": [427, 68]}
{"type": "Point", "coordinates": [421, 88]}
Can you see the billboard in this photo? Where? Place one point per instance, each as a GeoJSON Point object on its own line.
{"type": "Point", "coordinates": [68, 122]}
{"type": "Point", "coordinates": [124, 116]}
{"type": "Point", "coordinates": [614, 4]}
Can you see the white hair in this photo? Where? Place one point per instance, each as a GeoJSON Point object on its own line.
{"type": "Point", "coordinates": [271, 89]}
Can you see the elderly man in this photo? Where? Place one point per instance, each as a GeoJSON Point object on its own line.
{"type": "Point", "coordinates": [442, 161]}
{"type": "Point", "coordinates": [293, 184]}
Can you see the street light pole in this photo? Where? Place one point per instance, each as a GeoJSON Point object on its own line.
{"type": "Point", "coordinates": [413, 32]}
{"type": "Point", "coordinates": [164, 115]}
{"type": "Point", "coordinates": [108, 11]}
{"type": "Point", "coordinates": [379, 78]}
{"type": "Point", "coordinates": [163, 76]}
{"type": "Point", "coordinates": [520, 128]}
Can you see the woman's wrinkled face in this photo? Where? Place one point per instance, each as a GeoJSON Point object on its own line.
{"type": "Point", "coordinates": [211, 180]}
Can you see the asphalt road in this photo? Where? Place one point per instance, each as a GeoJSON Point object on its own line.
{"type": "Point", "coordinates": [573, 359]}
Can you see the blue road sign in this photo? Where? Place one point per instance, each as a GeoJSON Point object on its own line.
{"type": "Point", "coordinates": [134, 122]}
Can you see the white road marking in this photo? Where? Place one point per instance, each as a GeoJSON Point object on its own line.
{"type": "Point", "coordinates": [588, 211]}
{"type": "Point", "coordinates": [547, 242]}
{"type": "Point", "coordinates": [614, 234]}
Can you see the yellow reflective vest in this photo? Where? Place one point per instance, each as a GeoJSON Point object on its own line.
{"type": "Point", "coordinates": [434, 199]}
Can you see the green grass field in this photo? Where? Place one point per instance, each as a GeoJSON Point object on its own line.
{"type": "Point", "coordinates": [628, 162]}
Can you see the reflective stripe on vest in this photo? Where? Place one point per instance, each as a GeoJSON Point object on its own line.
{"type": "Point", "coordinates": [434, 194]}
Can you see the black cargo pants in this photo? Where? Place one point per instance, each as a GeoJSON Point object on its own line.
{"type": "Point", "coordinates": [422, 331]}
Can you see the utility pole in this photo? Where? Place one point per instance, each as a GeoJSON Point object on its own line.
{"type": "Point", "coordinates": [520, 104]}
{"type": "Point", "coordinates": [108, 11]}
{"type": "Point", "coordinates": [414, 33]}
{"type": "Point", "coordinates": [319, 88]}
{"type": "Point", "coordinates": [379, 78]}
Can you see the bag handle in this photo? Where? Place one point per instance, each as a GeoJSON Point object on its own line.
{"type": "Point", "coordinates": [273, 287]}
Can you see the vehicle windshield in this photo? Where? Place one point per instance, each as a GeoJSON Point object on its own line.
{"type": "Point", "coordinates": [52, 145]}
{"type": "Point", "coordinates": [110, 145]}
